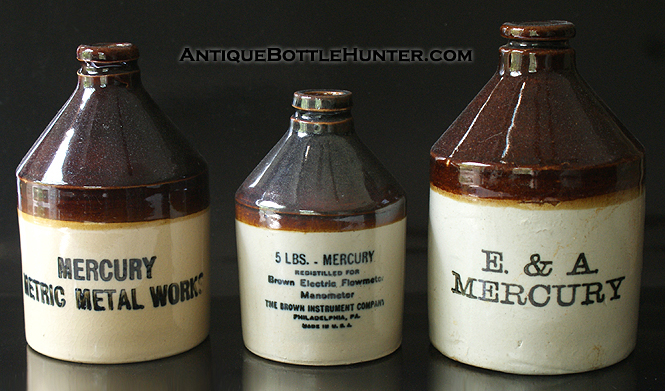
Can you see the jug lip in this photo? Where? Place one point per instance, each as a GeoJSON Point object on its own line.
{"type": "Point", "coordinates": [322, 100]}
{"type": "Point", "coordinates": [551, 30]}
{"type": "Point", "coordinates": [107, 52]}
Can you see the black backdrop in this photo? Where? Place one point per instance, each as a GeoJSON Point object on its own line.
{"type": "Point", "coordinates": [233, 114]}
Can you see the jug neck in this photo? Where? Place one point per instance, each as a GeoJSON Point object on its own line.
{"type": "Point", "coordinates": [108, 64]}
{"type": "Point", "coordinates": [322, 112]}
{"type": "Point", "coordinates": [518, 59]}
{"type": "Point", "coordinates": [537, 47]}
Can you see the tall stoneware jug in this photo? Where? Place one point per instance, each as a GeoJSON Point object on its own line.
{"type": "Point", "coordinates": [536, 218]}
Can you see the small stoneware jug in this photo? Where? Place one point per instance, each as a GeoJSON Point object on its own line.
{"type": "Point", "coordinates": [320, 228]}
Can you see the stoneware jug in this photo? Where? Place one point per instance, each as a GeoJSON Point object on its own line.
{"type": "Point", "coordinates": [536, 218]}
{"type": "Point", "coordinates": [320, 228]}
{"type": "Point", "coordinates": [113, 215]}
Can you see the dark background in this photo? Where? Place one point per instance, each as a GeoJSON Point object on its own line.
{"type": "Point", "coordinates": [233, 114]}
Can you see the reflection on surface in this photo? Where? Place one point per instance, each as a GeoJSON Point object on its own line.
{"type": "Point", "coordinates": [187, 371]}
{"type": "Point", "coordinates": [261, 374]}
{"type": "Point", "coordinates": [446, 374]}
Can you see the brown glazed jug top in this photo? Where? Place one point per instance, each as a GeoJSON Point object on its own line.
{"type": "Point", "coordinates": [110, 154]}
{"type": "Point", "coordinates": [320, 176]}
{"type": "Point", "coordinates": [553, 30]}
{"type": "Point", "coordinates": [321, 101]}
{"type": "Point", "coordinates": [322, 111]}
{"type": "Point", "coordinates": [107, 52]}
{"type": "Point", "coordinates": [536, 132]}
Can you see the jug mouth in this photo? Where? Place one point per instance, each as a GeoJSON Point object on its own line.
{"type": "Point", "coordinates": [322, 100]}
{"type": "Point", "coordinates": [107, 52]}
{"type": "Point", "coordinates": [107, 59]}
{"type": "Point", "coordinates": [548, 31]}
